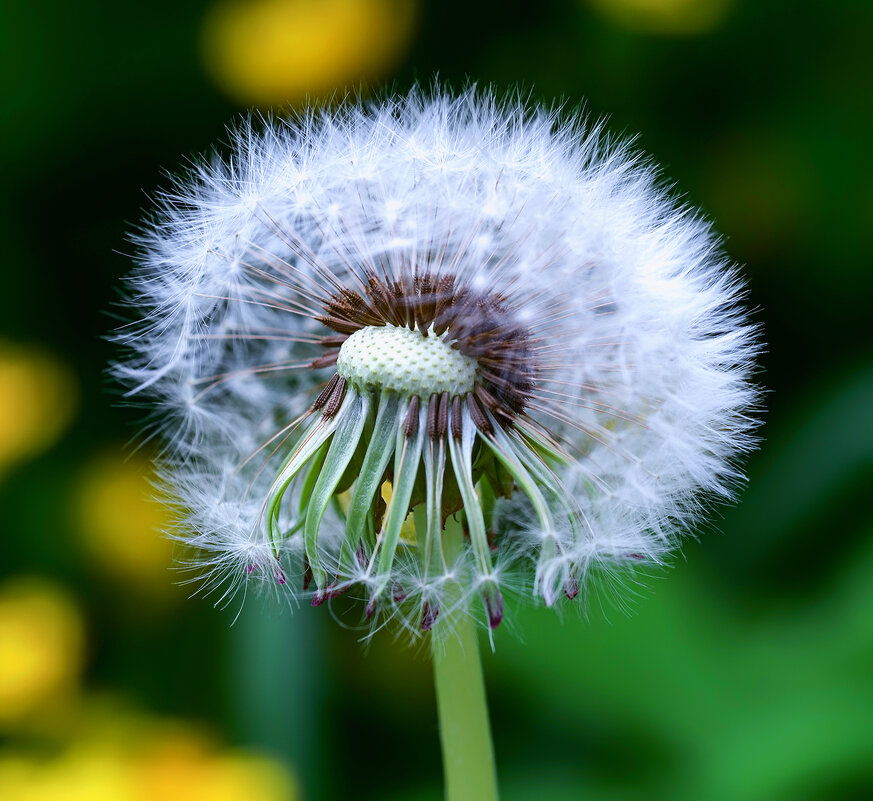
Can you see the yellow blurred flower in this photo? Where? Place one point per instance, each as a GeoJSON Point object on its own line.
{"type": "Point", "coordinates": [667, 17]}
{"type": "Point", "coordinates": [275, 52]}
{"type": "Point", "coordinates": [41, 649]}
{"type": "Point", "coordinates": [184, 769]}
{"type": "Point", "coordinates": [38, 396]}
{"type": "Point", "coordinates": [121, 526]}
{"type": "Point", "coordinates": [76, 777]}
{"type": "Point", "coordinates": [163, 763]}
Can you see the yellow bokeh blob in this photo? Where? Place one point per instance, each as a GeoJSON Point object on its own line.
{"type": "Point", "coordinates": [121, 525]}
{"type": "Point", "coordinates": [158, 763]}
{"type": "Point", "coordinates": [665, 17]}
{"type": "Point", "coordinates": [38, 397]}
{"type": "Point", "coordinates": [41, 649]}
{"type": "Point", "coordinates": [276, 52]}
{"type": "Point", "coordinates": [183, 769]}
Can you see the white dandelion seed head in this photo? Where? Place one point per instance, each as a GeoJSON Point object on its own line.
{"type": "Point", "coordinates": [495, 312]}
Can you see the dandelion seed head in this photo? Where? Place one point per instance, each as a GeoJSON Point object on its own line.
{"type": "Point", "coordinates": [494, 311]}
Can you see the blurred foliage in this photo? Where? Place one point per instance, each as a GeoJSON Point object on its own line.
{"type": "Point", "coordinates": [746, 671]}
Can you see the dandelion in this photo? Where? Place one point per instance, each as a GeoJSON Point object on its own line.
{"type": "Point", "coordinates": [432, 350]}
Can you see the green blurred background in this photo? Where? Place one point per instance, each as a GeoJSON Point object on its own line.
{"type": "Point", "coordinates": [745, 672]}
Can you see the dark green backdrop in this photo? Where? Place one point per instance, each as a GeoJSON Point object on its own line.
{"type": "Point", "coordinates": [745, 672]}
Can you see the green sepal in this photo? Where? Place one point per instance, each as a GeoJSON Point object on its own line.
{"type": "Point", "coordinates": [545, 474]}
{"type": "Point", "coordinates": [505, 451]}
{"type": "Point", "coordinates": [342, 448]}
{"type": "Point", "coordinates": [461, 455]}
{"type": "Point", "coordinates": [434, 471]}
{"type": "Point", "coordinates": [306, 491]}
{"type": "Point", "coordinates": [375, 462]}
{"type": "Point", "coordinates": [516, 457]}
{"type": "Point", "coordinates": [310, 443]}
{"type": "Point", "coordinates": [309, 481]}
{"type": "Point", "coordinates": [353, 470]}
{"type": "Point", "coordinates": [407, 457]}
{"type": "Point", "coordinates": [544, 446]}
{"type": "Point", "coordinates": [487, 500]}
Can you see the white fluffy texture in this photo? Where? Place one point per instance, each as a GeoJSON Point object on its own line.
{"type": "Point", "coordinates": [644, 354]}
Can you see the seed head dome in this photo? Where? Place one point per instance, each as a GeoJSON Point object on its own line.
{"type": "Point", "coordinates": [371, 319]}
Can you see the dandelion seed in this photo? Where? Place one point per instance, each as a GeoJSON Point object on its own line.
{"type": "Point", "coordinates": [495, 315]}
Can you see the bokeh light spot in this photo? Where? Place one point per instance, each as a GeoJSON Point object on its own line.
{"type": "Point", "coordinates": [38, 397]}
{"type": "Point", "coordinates": [41, 648]}
{"type": "Point", "coordinates": [275, 52]}
{"type": "Point", "coordinates": [184, 769]}
{"type": "Point", "coordinates": [142, 760]}
{"type": "Point", "coordinates": [664, 17]}
{"type": "Point", "coordinates": [121, 526]}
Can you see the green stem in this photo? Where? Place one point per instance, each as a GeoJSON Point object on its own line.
{"type": "Point", "coordinates": [468, 756]}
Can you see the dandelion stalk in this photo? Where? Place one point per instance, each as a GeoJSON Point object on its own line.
{"type": "Point", "coordinates": [465, 733]}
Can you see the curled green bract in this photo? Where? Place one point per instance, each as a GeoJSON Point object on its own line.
{"type": "Point", "coordinates": [405, 410]}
